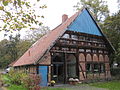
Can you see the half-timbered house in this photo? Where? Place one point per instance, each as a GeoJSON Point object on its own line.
{"type": "Point", "coordinates": [77, 48]}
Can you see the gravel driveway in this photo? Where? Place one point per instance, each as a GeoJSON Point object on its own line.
{"type": "Point", "coordinates": [80, 87]}
{"type": "Point", "coordinates": [1, 89]}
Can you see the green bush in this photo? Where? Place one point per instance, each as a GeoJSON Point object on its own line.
{"type": "Point", "coordinates": [20, 78]}
{"type": "Point", "coordinates": [1, 81]}
{"type": "Point", "coordinates": [15, 77]}
{"type": "Point", "coordinates": [32, 81]}
{"type": "Point", "coordinates": [115, 71]}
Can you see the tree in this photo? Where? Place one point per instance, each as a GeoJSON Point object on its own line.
{"type": "Point", "coordinates": [12, 46]}
{"type": "Point", "coordinates": [98, 7]}
{"type": "Point", "coordinates": [4, 57]}
{"type": "Point", "coordinates": [34, 35]}
{"type": "Point", "coordinates": [111, 28]}
{"type": "Point", "coordinates": [12, 49]}
{"type": "Point", "coordinates": [18, 14]}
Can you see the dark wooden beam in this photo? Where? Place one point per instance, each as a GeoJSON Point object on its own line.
{"type": "Point", "coordinates": [65, 68]}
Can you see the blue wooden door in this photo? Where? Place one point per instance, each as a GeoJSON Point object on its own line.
{"type": "Point", "coordinates": [43, 74]}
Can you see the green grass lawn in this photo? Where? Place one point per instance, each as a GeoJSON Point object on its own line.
{"type": "Point", "coordinates": [12, 86]}
{"type": "Point", "coordinates": [112, 85]}
{"type": "Point", "coordinates": [16, 87]}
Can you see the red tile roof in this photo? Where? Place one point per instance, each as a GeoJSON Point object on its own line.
{"type": "Point", "coordinates": [44, 44]}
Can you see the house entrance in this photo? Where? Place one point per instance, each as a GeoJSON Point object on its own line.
{"type": "Point", "coordinates": [58, 68]}
{"type": "Point", "coordinates": [71, 66]}
{"type": "Point", "coordinates": [63, 67]}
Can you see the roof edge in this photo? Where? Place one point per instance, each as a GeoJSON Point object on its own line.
{"type": "Point", "coordinates": [101, 30]}
{"type": "Point", "coordinates": [53, 43]}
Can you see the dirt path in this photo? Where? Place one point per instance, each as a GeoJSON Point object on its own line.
{"type": "Point", "coordinates": [80, 87]}
{"type": "Point", "coordinates": [86, 88]}
{"type": "Point", "coordinates": [1, 89]}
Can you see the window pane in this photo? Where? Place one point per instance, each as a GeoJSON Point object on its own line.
{"type": "Point", "coordinates": [96, 68]}
{"type": "Point", "coordinates": [89, 67]}
{"type": "Point", "coordinates": [66, 36]}
{"type": "Point", "coordinates": [75, 37]}
{"type": "Point", "coordinates": [102, 68]}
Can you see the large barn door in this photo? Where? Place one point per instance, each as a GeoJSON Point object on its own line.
{"type": "Point", "coordinates": [43, 73]}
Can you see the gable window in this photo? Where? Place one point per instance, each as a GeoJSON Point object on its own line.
{"type": "Point", "coordinates": [75, 37]}
{"type": "Point", "coordinates": [65, 49]}
{"type": "Point", "coordinates": [88, 50]}
{"type": "Point", "coordinates": [106, 52]}
{"type": "Point", "coordinates": [100, 51]}
{"type": "Point", "coordinates": [66, 36]}
{"type": "Point", "coordinates": [81, 50]}
{"type": "Point", "coordinates": [64, 41]}
{"type": "Point", "coordinates": [87, 38]}
{"type": "Point", "coordinates": [94, 40]}
{"type": "Point", "coordinates": [89, 44]}
{"type": "Point", "coordinates": [94, 51]}
{"type": "Point", "coordinates": [81, 38]}
{"type": "Point", "coordinates": [74, 42]}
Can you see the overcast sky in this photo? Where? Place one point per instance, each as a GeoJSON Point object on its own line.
{"type": "Point", "coordinates": [56, 8]}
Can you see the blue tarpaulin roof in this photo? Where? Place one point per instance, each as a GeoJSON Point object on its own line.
{"type": "Point", "coordinates": [84, 24]}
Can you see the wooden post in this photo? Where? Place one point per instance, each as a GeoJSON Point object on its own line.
{"type": "Point", "coordinates": [65, 68]}
{"type": "Point", "coordinates": [37, 69]}
{"type": "Point", "coordinates": [77, 63]}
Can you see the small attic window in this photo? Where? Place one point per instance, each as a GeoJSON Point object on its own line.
{"type": "Point", "coordinates": [66, 36]}
{"type": "Point", "coordinates": [75, 37]}
{"type": "Point", "coordinates": [81, 38]}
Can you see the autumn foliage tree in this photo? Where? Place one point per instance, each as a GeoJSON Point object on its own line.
{"type": "Point", "coordinates": [99, 8]}
{"type": "Point", "coordinates": [12, 49]}
{"type": "Point", "coordinates": [111, 28]}
{"type": "Point", "coordinates": [18, 14]}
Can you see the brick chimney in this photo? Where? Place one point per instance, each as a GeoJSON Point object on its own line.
{"type": "Point", "coordinates": [64, 18]}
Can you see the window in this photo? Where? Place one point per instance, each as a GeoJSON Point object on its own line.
{"type": "Point", "coordinates": [88, 50]}
{"type": "Point", "coordinates": [72, 49]}
{"type": "Point", "coordinates": [81, 50]}
{"type": "Point", "coordinates": [89, 67]}
{"type": "Point", "coordinates": [65, 49]}
{"type": "Point", "coordinates": [57, 48]}
{"type": "Point", "coordinates": [81, 37]}
{"type": "Point", "coordinates": [75, 37]}
{"type": "Point", "coordinates": [106, 52]}
{"type": "Point", "coordinates": [96, 67]}
{"type": "Point", "coordinates": [87, 38]}
{"type": "Point", "coordinates": [74, 42]}
{"type": "Point", "coordinates": [100, 51]}
{"type": "Point", "coordinates": [66, 36]}
{"type": "Point", "coordinates": [89, 44]}
{"type": "Point", "coordinates": [71, 66]}
{"type": "Point", "coordinates": [102, 68]}
{"type": "Point", "coordinates": [64, 41]}
{"type": "Point", "coordinates": [94, 51]}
